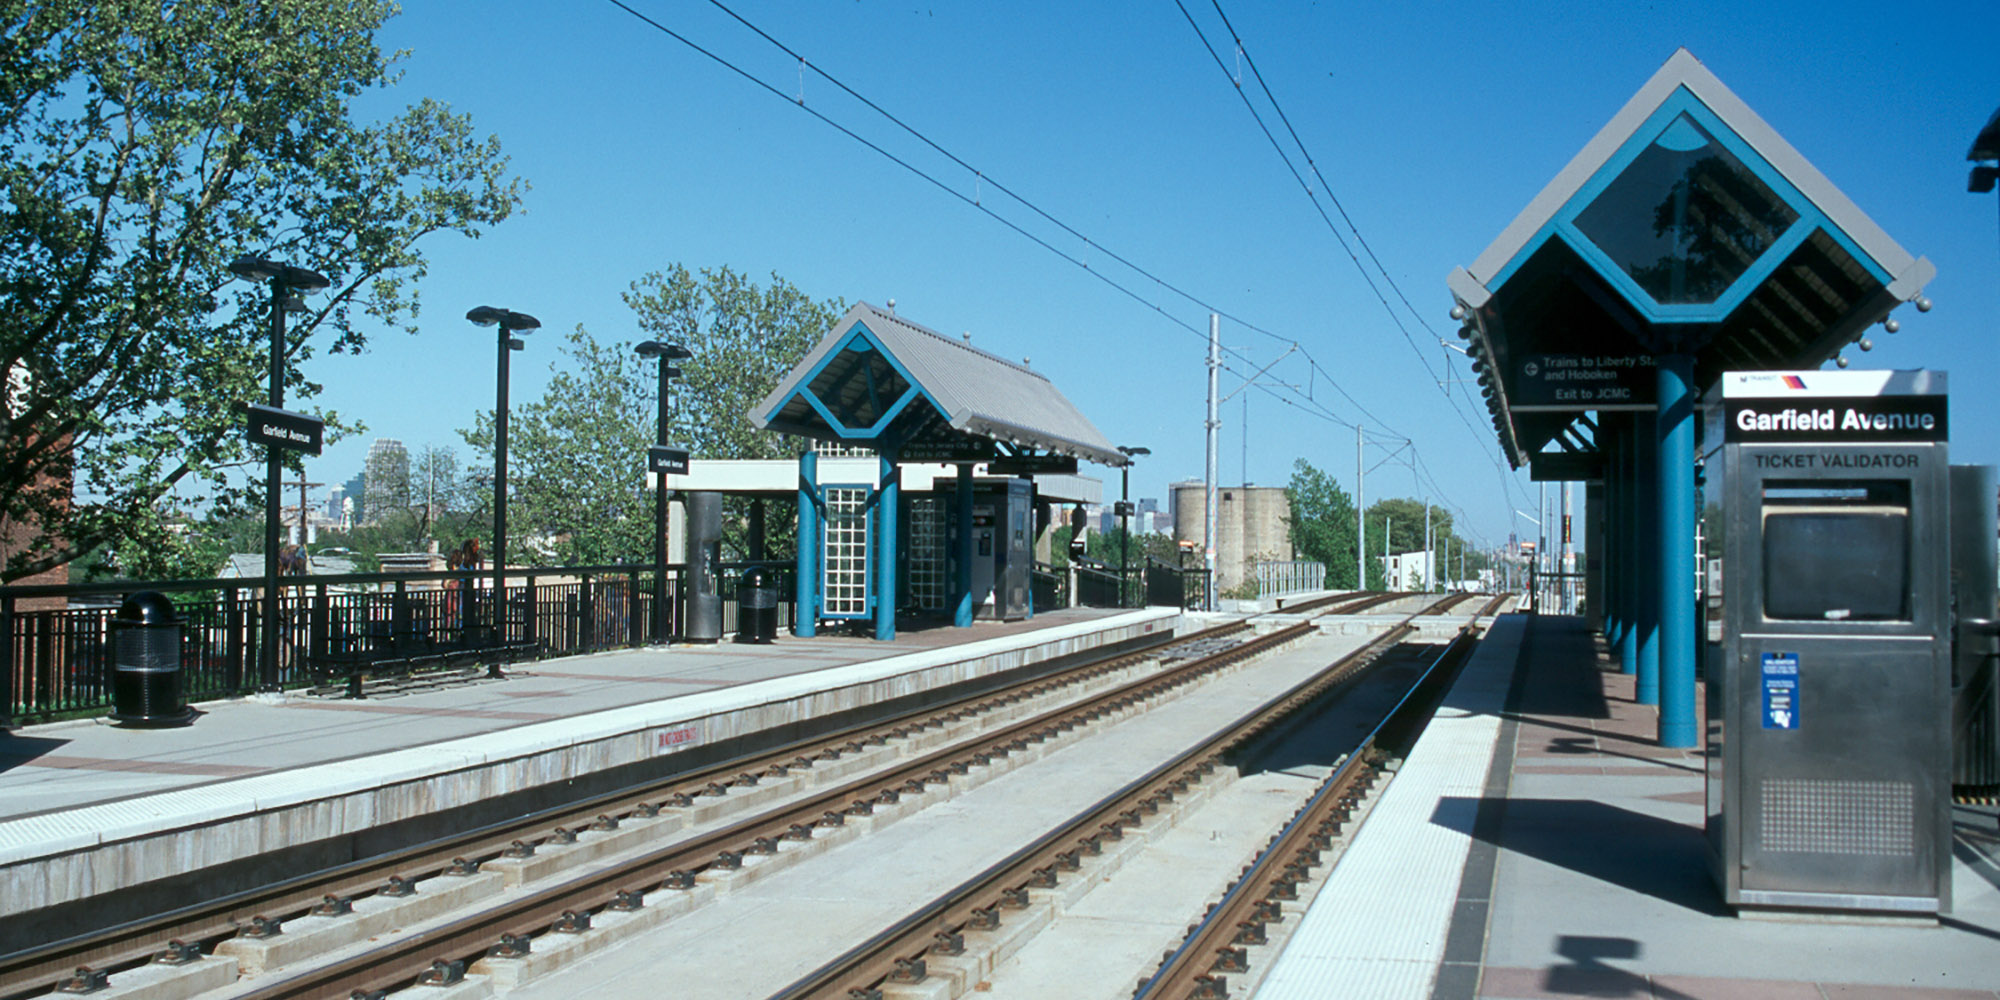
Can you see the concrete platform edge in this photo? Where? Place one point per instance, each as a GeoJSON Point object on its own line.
{"type": "Point", "coordinates": [70, 855]}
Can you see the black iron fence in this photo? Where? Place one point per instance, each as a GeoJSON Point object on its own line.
{"type": "Point", "coordinates": [56, 641]}
{"type": "Point", "coordinates": [1178, 587]}
{"type": "Point", "coordinates": [1157, 584]}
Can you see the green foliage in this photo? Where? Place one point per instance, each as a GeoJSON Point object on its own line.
{"type": "Point", "coordinates": [404, 531]}
{"type": "Point", "coordinates": [1105, 547]}
{"type": "Point", "coordinates": [1323, 525]}
{"type": "Point", "coordinates": [576, 459]}
{"type": "Point", "coordinates": [1405, 521]}
{"type": "Point", "coordinates": [143, 146]}
{"type": "Point", "coordinates": [744, 339]}
{"type": "Point", "coordinates": [1405, 518]}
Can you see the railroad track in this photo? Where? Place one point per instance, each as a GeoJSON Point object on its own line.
{"type": "Point", "coordinates": [1218, 945]}
{"type": "Point", "coordinates": [200, 929]}
{"type": "Point", "coordinates": [934, 937]}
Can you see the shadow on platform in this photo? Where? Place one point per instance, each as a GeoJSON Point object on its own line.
{"type": "Point", "coordinates": [18, 750]}
{"type": "Point", "coordinates": [1559, 654]}
{"type": "Point", "coordinates": [1631, 850]}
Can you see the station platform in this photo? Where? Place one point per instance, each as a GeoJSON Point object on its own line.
{"type": "Point", "coordinates": [1538, 843]}
{"type": "Point", "coordinates": [97, 819]}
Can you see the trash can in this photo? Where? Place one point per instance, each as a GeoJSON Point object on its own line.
{"type": "Point", "coordinates": [146, 663]}
{"type": "Point", "coordinates": [756, 606]}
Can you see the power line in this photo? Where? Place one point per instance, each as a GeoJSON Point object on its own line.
{"type": "Point", "coordinates": [1315, 369]}
{"type": "Point", "coordinates": [1325, 185]}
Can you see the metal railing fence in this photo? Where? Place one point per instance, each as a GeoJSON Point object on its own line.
{"type": "Point", "coordinates": [1277, 579]}
{"type": "Point", "coordinates": [56, 660]}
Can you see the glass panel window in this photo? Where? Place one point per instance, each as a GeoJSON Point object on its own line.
{"type": "Point", "coordinates": [844, 587]}
{"type": "Point", "coordinates": [1686, 218]}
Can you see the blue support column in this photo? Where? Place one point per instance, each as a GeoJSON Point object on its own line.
{"type": "Point", "coordinates": [886, 498]}
{"type": "Point", "coordinates": [1645, 559]}
{"type": "Point", "coordinates": [1607, 536]}
{"type": "Point", "coordinates": [961, 583]}
{"type": "Point", "coordinates": [1675, 583]}
{"type": "Point", "coordinates": [806, 597]}
{"type": "Point", "coordinates": [1628, 549]}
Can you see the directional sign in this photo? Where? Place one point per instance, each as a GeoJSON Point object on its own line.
{"type": "Point", "coordinates": [667, 460]}
{"type": "Point", "coordinates": [951, 450]}
{"type": "Point", "coordinates": [276, 428]}
{"type": "Point", "coordinates": [1032, 465]}
{"type": "Point", "coordinates": [1583, 382]}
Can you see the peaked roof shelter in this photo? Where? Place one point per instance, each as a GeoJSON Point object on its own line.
{"type": "Point", "coordinates": [879, 381]}
{"type": "Point", "coordinates": [1687, 238]}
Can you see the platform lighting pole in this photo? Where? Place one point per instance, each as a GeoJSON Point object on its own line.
{"type": "Point", "coordinates": [1124, 518]}
{"type": "Point", "coordinates": [510, 323]}
{"type": "Point", "coordinates": [666, 354]}
{"type": "Point", "coordinates": [287, 285]}
{"type": "Point", "coordinates": [1214, 426]}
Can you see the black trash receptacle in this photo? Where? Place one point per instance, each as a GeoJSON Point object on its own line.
{"type": "Point", "coordinates": [756, 606]}
{"type": "Point", "coordinates": [146, 663]}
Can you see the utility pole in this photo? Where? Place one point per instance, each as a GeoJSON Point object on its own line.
{"type": "Point", "coordinates": [1214, 427]}
{"type": "Point", "coordinates": [1568, 558]}
{"type": "Point", "coordinates": [303, 486]}
{"type": "Point", "coordinates": [1360, 515]}
{"type": "Point", "coordinates": [1388, 524]}
{"type": "Point", "coordinates": [1430, 549]}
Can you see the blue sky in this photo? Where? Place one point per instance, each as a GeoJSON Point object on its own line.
{"type": "Point", "coordinates": [1433, 123]}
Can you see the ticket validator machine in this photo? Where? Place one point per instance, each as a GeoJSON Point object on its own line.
{"type": "Point", "coordinates": [1002, 546]}
{"type": "Point", "coordinates": [1829, 747]}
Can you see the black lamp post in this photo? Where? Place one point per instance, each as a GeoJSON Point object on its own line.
{"type": "Point", "coordinates": [666, 354]}
{"type": "Point", "coordinates": [510, 323]}
{"type": "Point", "coordinates": [1124, 513]}
{"type": "Point", "coordinates": [286, 283]}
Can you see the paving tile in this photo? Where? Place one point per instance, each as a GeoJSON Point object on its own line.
{"type": "Point", "coordinates": [1864, 991]}
{"type": "Point", "coordinates": [1562, 982]}
{"type": "Point", "coordinates": [1711, 988]}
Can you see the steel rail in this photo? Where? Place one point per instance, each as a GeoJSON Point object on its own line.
{"type": "Point", "coordinates": [675, 867]}
{"type": "Point", "coordinates": [1217, 945]}
{"type": "Point", "coordinates": [898, 952]}
{"type": "Point", "coordinates": [31, 972]}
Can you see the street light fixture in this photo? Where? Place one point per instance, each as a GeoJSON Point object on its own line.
{"type": "Point", "coordinates": [1125, 512]}
{"type": "Point", "coordinates": [666, 354]}
{"type": "Point", "coordinates": [510, 323]}
{"type": "Point", "coordinates": [287, 282]}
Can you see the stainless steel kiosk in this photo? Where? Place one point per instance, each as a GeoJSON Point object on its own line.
{"type": "Point", "coordinates": [1002, 547]}
{"type": "Point", "coordinates": [1829, 747]}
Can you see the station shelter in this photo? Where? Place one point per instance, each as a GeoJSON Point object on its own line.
{"type": "Point", "coordinates": [1686, 239]}
{"type": "Point", "coordinates": [908, 394]}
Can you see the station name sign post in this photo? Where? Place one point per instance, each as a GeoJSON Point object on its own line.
{"type": "Point", "coordinates": [284, 429]}
{"type": "Point", "coordinates": [667, 460]}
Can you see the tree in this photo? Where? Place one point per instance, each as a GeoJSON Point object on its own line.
{"type": "Point", "coordinates": [386, 479]}
{"type": "Point", "coordinates": [1323, 524]}
{"type": "Point", "coordinates": [143, 146]}
{"type": "Point", "coordinates": [744, 339]}
{"type": "Point", "coordinates": [576, 459]}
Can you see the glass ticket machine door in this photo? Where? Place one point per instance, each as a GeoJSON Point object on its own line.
{"type": "Point", "coordinates": [1829, 749]}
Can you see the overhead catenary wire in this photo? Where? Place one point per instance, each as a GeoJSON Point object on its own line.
{"type": "Point", "coordinates": [1388, 279]}
{"type": "Point", "coordinates": [985, 180]}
